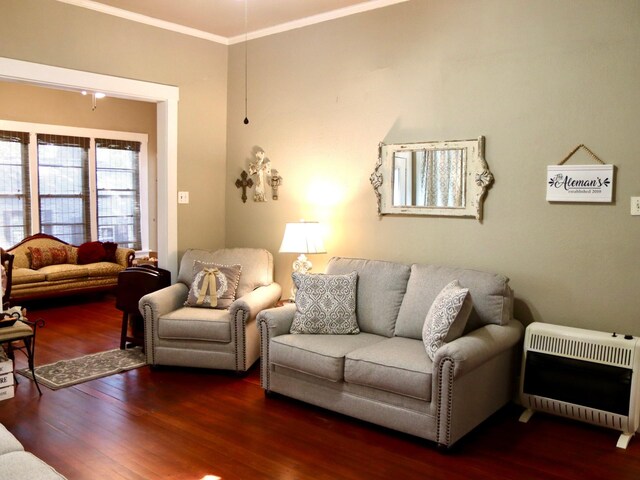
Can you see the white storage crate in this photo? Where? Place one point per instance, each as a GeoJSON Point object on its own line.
{"type": "Point", "coordinates": [6, 380]}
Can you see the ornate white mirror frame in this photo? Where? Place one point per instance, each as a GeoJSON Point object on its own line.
{"type": "Point", "coordinates": [432, 178]}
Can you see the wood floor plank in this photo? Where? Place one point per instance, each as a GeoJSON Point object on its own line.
{"type": "Point", "coordinates": [180, 423]}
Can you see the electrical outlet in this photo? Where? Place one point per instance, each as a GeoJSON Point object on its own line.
{"type": "Point", "coordinates": [183, 197]}
{"type": "Point", "coordinates": [635, 205]}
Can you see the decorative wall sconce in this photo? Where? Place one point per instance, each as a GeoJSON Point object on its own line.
{"type": "Point", "coordinates": [244, 182]}
{"type": "Point", "coordinates": [261, 168]}
{"type": "Point", "coordinates": [276, 181]}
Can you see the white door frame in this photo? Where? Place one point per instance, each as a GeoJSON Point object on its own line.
{"type": "Point", "coordinates": [165, 96]}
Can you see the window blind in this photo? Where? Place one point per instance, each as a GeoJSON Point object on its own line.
{"type": "Point", "coordinates": [118, 186]}
{"type": "Point", "coordinates": [15, 198]}
{"type": "Point", "coordinates": [63, 179]}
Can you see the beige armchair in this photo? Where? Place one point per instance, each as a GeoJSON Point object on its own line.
{"type": "Point", "coordinates": [179, 335]}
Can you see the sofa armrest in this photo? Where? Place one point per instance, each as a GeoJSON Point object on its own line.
{"type": "Point", "coordinates": [155, 304]}
{"type": "Point", "coordinates": [243, 312]}
{"type": "Point", "coordinates": [249, 305]}
{"type": "Point", "coordinates": [473, 377]}
{"type": "Point", "coordinates": [479, 346]}
{"type": "Point", "coordinates": [124, 256]}
{"type": "Point", "coordinates": [272, 323]}
{"type": "Point", "coordinates": [163, 301]}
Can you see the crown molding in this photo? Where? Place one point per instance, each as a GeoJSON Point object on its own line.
{"type": "Point", "coordinates": [193, 32]}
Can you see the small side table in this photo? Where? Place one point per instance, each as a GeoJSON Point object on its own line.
{"type": "Point", "coordinates": [21, 331]}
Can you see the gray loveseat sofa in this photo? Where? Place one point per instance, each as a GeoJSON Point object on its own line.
{"type": "Point", "coordinates": [383, 374]}
{"type": "Point", "coordinates": [16, 464]}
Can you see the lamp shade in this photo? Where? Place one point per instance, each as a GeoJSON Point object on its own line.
{"type": "Point", "coordinates": [302, 237]}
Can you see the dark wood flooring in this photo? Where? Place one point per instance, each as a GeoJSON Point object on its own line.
{"type": "Point", "coordinates": [180, 423]}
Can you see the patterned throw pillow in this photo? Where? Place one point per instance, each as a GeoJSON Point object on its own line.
{"type": "Point", "coordinates": [446, 318]}
{"type": "Point", "coordinates": [43, 257]}
{"type": "Point", "coordinates": [214, 285]}
{"type": "Point", "coordinates": [325, 304]}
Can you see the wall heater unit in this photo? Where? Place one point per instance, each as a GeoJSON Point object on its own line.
{"type": "Point", "coordinates": [582, 374]}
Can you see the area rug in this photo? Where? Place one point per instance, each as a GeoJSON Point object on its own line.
{"type": "Point", "coordinates": [88, 367]}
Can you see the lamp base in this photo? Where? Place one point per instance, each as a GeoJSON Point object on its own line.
{"type": "Point", "coordinates": [301, 265]}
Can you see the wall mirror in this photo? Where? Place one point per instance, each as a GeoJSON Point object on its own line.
{"type": "Point", "coordinates": [432, 178]}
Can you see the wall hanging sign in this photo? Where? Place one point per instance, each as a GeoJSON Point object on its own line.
{"type": "Point", "coordinates": [580, 183]}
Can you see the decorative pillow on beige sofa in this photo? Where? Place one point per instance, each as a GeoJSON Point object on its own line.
{"type": "Point", "coordinates": [45, 256]}
{"type": "Point", "coordinates": [214, 285]}
{"type": "Point", "coordinates": [325, 304]}
{"type": "Point", "coordinates": [447, 317]}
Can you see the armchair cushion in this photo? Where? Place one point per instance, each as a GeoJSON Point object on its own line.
{"type": "Point", "coordinates": [257, 266]}
{"type": "Point", "coordinates": [214, 285]}
{"type": "Point", "coordinates": [325, 304]}
{"type": "Point", "coordinates": [196, 324]}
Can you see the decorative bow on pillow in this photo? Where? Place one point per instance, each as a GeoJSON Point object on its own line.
{"type": "Point", "coordinates": [208, 284]}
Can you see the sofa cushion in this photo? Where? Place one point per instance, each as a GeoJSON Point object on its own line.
{"type": "Point", "coordinates": [103, 269]}
{"type": "Point", "coordinates": [325, 304]}
{"type": "Point", "coordinates": [446, 318]}
{"type": "Point", "coordinates": [397, 365]}
{"type": "Point", "coordinates": [196, 324]}
{"type": "Point", "coordinates": [64, 272]}
{"type": "Point", "coordinates": [8, 443]}
{"type": "Point", "coordinates": [21, 276]}
{"type": "Point", "coordinates": [318, 355]}
{"type": "Point", "coordinates": [16, 465]}
{"type": "Point", "coordinates": [219, 282]}
{"type": "Point", "coordinates": [490, 294]}
{"type": "Point", "coordinates": [44, 256]}
{"type": "Point", "coordinates": [381, 287]}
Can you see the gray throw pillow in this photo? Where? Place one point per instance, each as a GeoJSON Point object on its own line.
{"type": "Point", "coordinates": [325, 304]}
{"type": "Point", "coordinates": [214, 285]}
{"type": "Point", "coordinates": [446, 318]}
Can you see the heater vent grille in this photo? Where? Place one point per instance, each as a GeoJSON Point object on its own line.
{"type": "Point", "coordinates": [592, 351]}
{"type": "Point", "coordinates": [582, 374]}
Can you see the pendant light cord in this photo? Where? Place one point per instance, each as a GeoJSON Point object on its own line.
{"type": "Point", "coordinates": [246, 38]}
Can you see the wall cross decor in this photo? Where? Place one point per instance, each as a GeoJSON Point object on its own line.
{"type": "Point", "coordinates": [276, 181]}
{"type": "Point", "coordinates": [244, 182]}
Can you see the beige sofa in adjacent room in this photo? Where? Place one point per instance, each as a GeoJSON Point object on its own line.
{"type": "Point", "coordinates": [62, 273]}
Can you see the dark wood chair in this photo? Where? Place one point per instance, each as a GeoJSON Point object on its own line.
{"type": "Point", "coordinates": [133, 284]}
{"type": "Point", "coordinates": [6, 259]}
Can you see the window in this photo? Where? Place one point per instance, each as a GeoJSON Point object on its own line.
{"type": "Point", "coordinates": [15, 205]}
{"type": "Point", "coordinates": [63, 178]}
{"type": "Point", "coordinates": [75, 183]}
{"type": "Point", "coordinates": [117, 167]}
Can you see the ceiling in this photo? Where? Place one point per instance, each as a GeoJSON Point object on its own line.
{"type": "Point", "coordinates": [224, 20]}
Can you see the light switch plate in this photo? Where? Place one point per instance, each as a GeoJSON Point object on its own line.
{"type": "Point", "coordinates": [183, 197]}
{"type": "Point", "coordinates": [635, 205]}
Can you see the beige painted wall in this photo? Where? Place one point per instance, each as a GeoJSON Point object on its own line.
{"type": "Point", "coordinates": [536, 78]}
{"type": "Point", "coordinates": [54, 33]}
{"type": "Point", "coordinates": [27, 103]}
